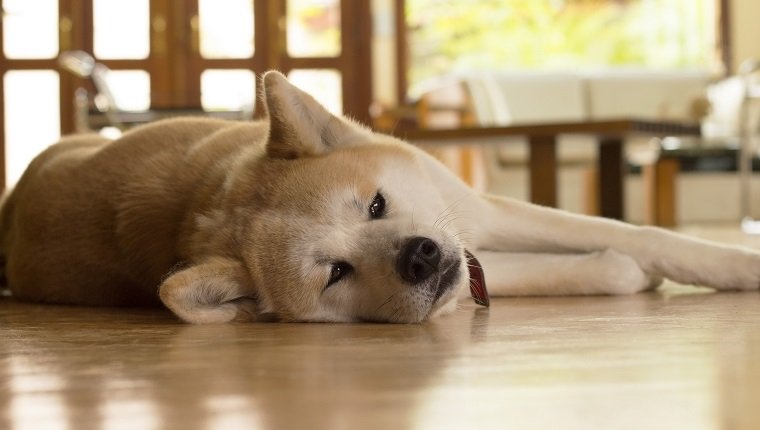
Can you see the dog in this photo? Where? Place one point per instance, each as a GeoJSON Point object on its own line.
{"type": "Point", "coordinates": [307, 216]}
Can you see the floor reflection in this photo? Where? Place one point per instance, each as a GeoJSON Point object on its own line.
{"type": "Point", "coordinates": [646, 361]}
{"type": "Point", "coordinates": [117, 370]}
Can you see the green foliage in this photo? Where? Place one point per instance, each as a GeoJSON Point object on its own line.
{"type": "Point", "coordinates": [459, 35]}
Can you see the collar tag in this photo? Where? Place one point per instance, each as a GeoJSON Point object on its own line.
{"type": "Point", "coordinates": [477, 280]}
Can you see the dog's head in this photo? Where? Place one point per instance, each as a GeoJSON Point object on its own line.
{"type": "Point", "coordinates": [336, 223]}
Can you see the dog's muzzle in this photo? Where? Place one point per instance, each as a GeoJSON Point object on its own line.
{"type": "Point", "coordinates": [420, 258]}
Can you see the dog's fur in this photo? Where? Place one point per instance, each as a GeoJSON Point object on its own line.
{"type": "Point", "coordinates": [227, 221]}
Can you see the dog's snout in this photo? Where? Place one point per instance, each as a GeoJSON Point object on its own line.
{"type": "Point", "coordinates": [418, 259]}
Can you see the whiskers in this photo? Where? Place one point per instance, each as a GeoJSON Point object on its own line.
{"type": "Point", "coordinates": [448, 216]}
{"type": "Point", "coordinates": [387, 276]}
{"type": "Point", "coordinates": [388, 300]}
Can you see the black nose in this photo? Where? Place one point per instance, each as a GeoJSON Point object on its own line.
{"type": "Point", "coordinates": [418, 259]}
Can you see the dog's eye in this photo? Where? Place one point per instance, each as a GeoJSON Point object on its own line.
{"type": "Point", "coordinates": [339, 270]}
{"type": "Point", "coordinates": [377, 207]}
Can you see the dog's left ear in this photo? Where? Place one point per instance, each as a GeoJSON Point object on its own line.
{"type": "Point", "coordinates": [215, 291]}
{"type": "Point", "coordinates": [300, 126]}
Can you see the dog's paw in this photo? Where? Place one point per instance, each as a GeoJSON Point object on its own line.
{"type": "Point", "coordinates": [622, 275]}
{"type": "Point", "coordinates": [748, 271]}
{"type": "Point", "coordinates": [735, 269]}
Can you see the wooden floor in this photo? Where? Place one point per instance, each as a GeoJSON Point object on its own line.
{"type": "Point", "coordinates": [681, 358]}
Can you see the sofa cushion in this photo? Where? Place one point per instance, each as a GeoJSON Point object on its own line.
{"type": "Point", "coordinates": [519, 97]}
{"type": "Point", "coordinates": [644, 94]}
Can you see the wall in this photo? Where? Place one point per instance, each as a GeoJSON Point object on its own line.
{"type": "Point", "coordinates": [745, 31]}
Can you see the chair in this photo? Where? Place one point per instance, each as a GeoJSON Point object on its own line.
{"type": "Point", "coordinates": [729, 141]}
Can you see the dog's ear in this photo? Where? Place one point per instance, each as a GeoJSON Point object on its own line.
{"type": "Point", "coordinates": [215, 291]}
{"type": "Point", "coordinates": [300, 126]}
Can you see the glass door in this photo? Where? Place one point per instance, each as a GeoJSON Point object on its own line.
{"type": "Point", "coordinates": [37, 97]}
{"type": "Point", "coordinates": [326, 51]}
{"type": "Point", "coordinates": [322, 45]}
{"type": "Point", "coordinates": [165, 54]}
{"type": "Point", "coordinates": [121, 40]}
{"type": "Point", "coordinates": [224, 54]}
{"type": "Point", "coordinates": [30, 85]}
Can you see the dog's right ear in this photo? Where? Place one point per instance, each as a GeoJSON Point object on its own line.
{"type": "Point", "coordinates": [300, 126]}
{"type": "Point", "coordinates": [216, 291]}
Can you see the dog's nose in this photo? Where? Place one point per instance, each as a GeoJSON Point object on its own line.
{"type": "Point", "coordinates": [418, 259]}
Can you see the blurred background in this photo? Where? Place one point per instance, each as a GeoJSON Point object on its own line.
{"type": "Point", "coordinates": [107, 65]}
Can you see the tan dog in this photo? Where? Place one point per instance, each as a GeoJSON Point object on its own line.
{"type": "Point", "coordinates": [307, 217]}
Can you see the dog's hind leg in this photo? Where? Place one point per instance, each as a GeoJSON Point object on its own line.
{"type": "Point", "coordinates": [538, 274]}
{"type": "Point", "coordinates": [514, 226]}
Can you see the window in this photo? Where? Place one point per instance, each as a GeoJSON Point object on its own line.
{"type": "Point", "coordinates": [314, 28]}
{"type": "Point", "coordinates": [29, 84]}
{"type": "Point", "coordinates": [171, 55]}
{"type": "Point", "coordinates": [449, 36]}
{"type": "Point", "coordinates": [121, 29]}
{"type": "Point", "coordinates": [31, 116]}
{"type": "Point", "coordinates": [29, 29]}
{"type": "Point", "coordinates": [226, 32]}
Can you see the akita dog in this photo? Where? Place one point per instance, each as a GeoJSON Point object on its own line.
{"type": "Point", "coordinates": [306, 216]}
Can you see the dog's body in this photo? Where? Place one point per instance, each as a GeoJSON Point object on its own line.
{"type": "Point", "coordinates": [308, 217]}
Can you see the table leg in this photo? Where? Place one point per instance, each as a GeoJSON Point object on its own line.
{"type": "Point", "coordinates": [660, 187]}
{"type": "Point", "coordinates": [543, 170]}
{"type": "Point", "coordinates": [611, 177]}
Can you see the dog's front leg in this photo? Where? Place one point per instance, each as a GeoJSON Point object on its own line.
{"type": "Point", "coordinates": [539, 274]}
{"type": "Point", "coordinates": [514, 226]}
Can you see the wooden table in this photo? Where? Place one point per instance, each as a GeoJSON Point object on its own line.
{"type": "Point", "coordinates": [542, 139]}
